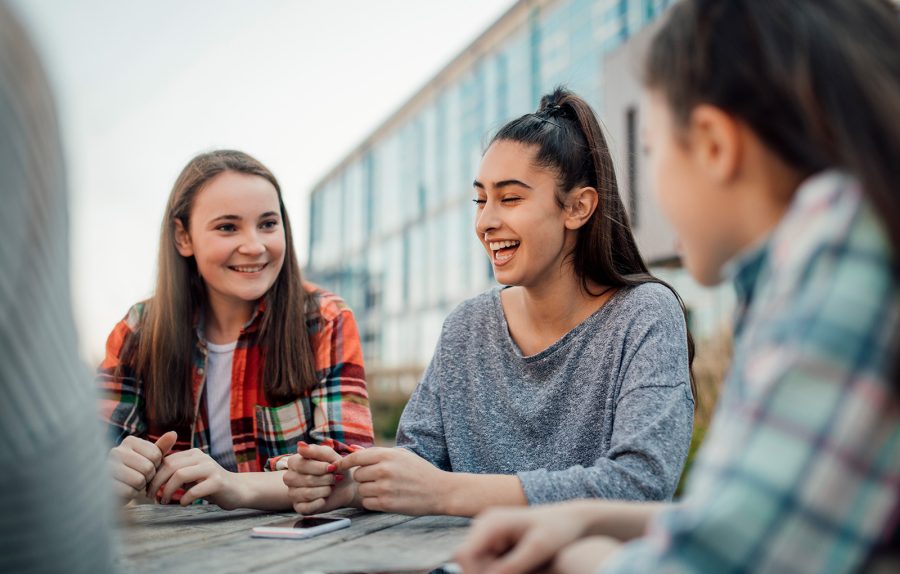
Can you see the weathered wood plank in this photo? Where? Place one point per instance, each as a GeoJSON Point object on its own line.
{"type": "Point", "coordinates": [174, 539]}
{"type": "Point", "coordinates": [419, 544]}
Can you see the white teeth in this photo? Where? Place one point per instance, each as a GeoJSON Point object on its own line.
{"type": "Point", "coordinates": [496, 245]}
{"type": "Point", "coordinates": [253, 269]}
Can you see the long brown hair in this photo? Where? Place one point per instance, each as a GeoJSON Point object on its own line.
{"type": "Point", "coordinates": [568, 140]}
{"type": "Point", "coordinates": [817, 81]}
{"type": "Point", "coordinates": [162, 350]}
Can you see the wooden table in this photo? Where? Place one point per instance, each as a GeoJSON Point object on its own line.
{"type": "Point", "coordinates": [208, 540]}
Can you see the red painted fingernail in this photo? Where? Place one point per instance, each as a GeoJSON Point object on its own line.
{"type": "Point", "coordinates": [331, 468]}
{"type": "Point", "coordinates": [338, 477]}
{"type": "Point", "coordinates": [301, 443]}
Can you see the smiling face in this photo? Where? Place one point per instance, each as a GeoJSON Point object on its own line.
{"type": "Point", "coordinates": [518, 220]}
{"type": "Point", "coordinates": [236, 237]}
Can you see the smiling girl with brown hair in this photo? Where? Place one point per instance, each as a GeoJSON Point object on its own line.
{"type": "Point", "coordinates": [234, 360]}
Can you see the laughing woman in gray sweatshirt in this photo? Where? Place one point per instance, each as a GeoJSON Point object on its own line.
{"type": "Point", "coordinates": [573, 381]}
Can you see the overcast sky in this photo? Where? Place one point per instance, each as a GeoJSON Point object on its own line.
{"type": "Point", "coordinates": [143, 86]}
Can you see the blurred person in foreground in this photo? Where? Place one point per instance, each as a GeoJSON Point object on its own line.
{"type": "Point", "coordinates": [774, 144]}
{"type": "Point", "coordinates": [53, 490]}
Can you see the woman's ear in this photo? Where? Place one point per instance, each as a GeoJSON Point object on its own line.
{"type": "Point", "coordinates": [580, 205]}
{"type": "Point", "coordinates": [715, 143]}
{"type": "Point", "coordinates": [183, 239]}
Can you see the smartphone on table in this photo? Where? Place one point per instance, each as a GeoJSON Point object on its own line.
{"type": "Point", "coordinates": [300, 527]}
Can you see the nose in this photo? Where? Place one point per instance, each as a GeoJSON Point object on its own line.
{"type": "Point", "coordinates": [487, 219]}
{"type": "Point", "coordinates": [252, 244]}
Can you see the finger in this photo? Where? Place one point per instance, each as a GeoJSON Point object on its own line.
{"type": "Point", "coordinates": [165, 471]}
{"type": "Point", "coordinates": [309, 507]}
{"type": "Point", "coordinates": [355, 447]}
{"type": "Point", "coordinates": [125, 491]}
{"type": "Point", "coordinates": [480, 550]}
{"type": "Point", "coordinates": [129, 476]}
{"type": "Point", "coordinates": [303, 465]}
{"type": "Point", "coordinates": [529, 553]}
{"type": "Point", "coordinates": [318, 452]}
{"type": "Point", "coordinates": [365, 457]}
{"type": "Point", "coordinates": [144, 448]}
{"type": "Point", "coordinates": [468, 562]}
{"type": "Point", "coordinates": [166, 442]}
{"type": "Point", "coordinates": [309, 494]}
{"type": "Point", "coordinates": [299, 480]}
{"type": "Point", "coordinates": [370, 489]}
{"type": "Point", "coordinates": [183, 476]}
{"type": "Point", "coordinates": [491, 535]}
{"type": "Point", "coordinates": [138, 462]}
{"type": "Point", "coordinates": [374, 503]}
{"type": "Point", "coordinates": [371, 473]}
{"type": "Point", "coordinates": [200, 490]}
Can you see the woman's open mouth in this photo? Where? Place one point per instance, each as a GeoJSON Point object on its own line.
{"type": "Point", "coordinates": [503, 251]}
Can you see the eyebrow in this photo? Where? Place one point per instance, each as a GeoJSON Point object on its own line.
{"type": "Point", "coordinates": [239, 218]}
{"type": "Point", "coordinates": [503, 183]}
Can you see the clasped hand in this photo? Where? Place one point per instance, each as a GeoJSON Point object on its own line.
{"type": "Point", "coordinates": [140, 467]}
{"type": "Point", "coordinates": [382, 479]}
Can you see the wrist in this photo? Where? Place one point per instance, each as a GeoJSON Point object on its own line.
{"type": "Point", "coordinates": [450, 494]}
{"type": "Point", "coordinates": [243, 488]}
{"type": "Point", "coordinates": [617, 519]}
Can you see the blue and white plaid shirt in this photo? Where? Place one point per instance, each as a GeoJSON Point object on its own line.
{"type": "Point", "coordinates": [800, 471]}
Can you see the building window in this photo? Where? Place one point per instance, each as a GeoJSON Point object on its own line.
{"type": "Point", "coordinates": [405, 264]}
{"type": "Point", "coordinates": [632, 159]}
{"type": "Point", "coordinates": [534, 29]}
{"type": "Point", "coordinates": [502, 98]}
{"type": "Point", "coordinates": [368, 195]}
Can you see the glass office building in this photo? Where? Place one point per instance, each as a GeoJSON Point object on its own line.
{"type": "Point", "coordinates": [392, 225]}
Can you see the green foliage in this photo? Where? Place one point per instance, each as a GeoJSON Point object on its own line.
{"type": "Point", "coordinates": [386, 411]}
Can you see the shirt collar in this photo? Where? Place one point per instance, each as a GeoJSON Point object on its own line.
{"type": "Point", "coordinates": [250, 326]}
{"type": "Point", "coordinates": [746, 267]}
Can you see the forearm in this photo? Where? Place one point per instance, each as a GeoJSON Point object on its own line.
{"type": "Point", "coordinates": [586, 556]}
{"type": "Point", "coordinates": [468, 494]}
{"type": "Point", "coordinates": [263, 490]}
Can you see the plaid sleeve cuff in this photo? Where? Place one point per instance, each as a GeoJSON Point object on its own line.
{"type": "Point", "coordinates": [277, 463]}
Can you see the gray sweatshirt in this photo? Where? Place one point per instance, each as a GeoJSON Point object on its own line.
{"type": "Point", "coordinates": [604, 412]}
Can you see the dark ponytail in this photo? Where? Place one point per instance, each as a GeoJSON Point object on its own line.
{"type": "Point", "coordinates": [568, 140]}
{"type": "Point", "coordinates": [817, 81]}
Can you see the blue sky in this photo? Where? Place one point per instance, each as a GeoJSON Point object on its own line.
{"type": "Point", "coordinates": [143, 86]}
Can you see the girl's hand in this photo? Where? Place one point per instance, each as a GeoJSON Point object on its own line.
{"type": "Point", "coordinates": [313, 485]}
{"type": "Point", "coordinates": [396, 480]}
{"type": "Point", "coordinates": [201, 477]}
{"type": "Point", "coordinates": [586, 556]}
{"type": "Point", "coordinates": [513, 540]}
{"type": "Point", "coordinates": [134, 463]}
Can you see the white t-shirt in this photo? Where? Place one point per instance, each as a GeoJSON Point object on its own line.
{"type": "Point", "coordinates": [218, 403]}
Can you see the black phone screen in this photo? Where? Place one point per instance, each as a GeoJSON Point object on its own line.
{"type": "Point", "coordinates": [304, 522]}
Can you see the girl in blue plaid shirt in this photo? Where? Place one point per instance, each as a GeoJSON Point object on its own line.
{"type": "Point", "coordinates": [774, 144]}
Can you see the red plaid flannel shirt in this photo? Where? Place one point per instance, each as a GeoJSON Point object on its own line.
{"type": "Point", "coordinates": [335, 412]}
